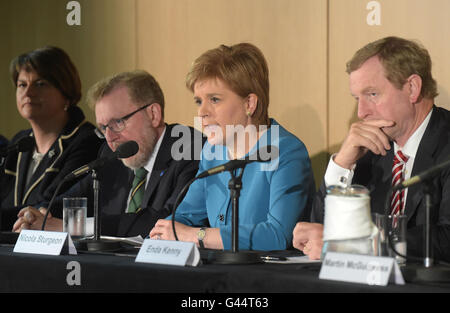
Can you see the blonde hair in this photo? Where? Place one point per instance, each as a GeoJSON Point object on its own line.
{"type": "Point", "coordinates": [242, 67]}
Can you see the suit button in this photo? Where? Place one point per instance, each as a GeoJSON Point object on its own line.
{"type": "Point", "coordinates": [221, 217]}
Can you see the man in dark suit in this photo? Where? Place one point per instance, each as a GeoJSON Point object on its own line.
{"type": "Point", "coordinates": [130, 106]}
{"type": "Point", "coordinates": [392, 83]}
{"type": "Point", "coordinates": [165, 182]}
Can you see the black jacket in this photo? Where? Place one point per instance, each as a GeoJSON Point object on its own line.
{"type": "Point", "coordinates": [76, 145]}
{"type": "Point", "coordinates": [375, 172]}
{"type": "Point", "coordinates": [168, 177]}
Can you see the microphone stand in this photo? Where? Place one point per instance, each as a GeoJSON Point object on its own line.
{"type": "Point", "coordinates": [234, 256]}
{"type": "Point", "coordinates": [97, 244]}
{"type": "Point", "coordinates": [427, 271]}
{"type": "Point", "coordinates": [235, 186]}
{"type": "Point", "coordinates": [96, 215]}
{"type": "Point", "coordinates": [428, 190]}
{"type": "Point", "coordinates": [223, 256]}
{"type": "Point", "coordinates": [125, 150]}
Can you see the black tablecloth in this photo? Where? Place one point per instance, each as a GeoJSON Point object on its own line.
{"type": "Point", "coordinates": [110, 273]}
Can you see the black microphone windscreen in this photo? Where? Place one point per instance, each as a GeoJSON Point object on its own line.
{"type": "Point", "coordinates": [127, 149]}
{"type": "Point", "coordinates": [25, 144]}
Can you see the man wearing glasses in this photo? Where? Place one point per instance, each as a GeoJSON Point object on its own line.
{"type": "Point", "coordinates": [137, 191]}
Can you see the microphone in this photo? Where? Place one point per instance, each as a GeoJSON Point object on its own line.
{"type": "Point", "coordinates": [272, 152]}
{"type": "Point", "coordinates": [422, 176]}
{"type": "Point", "coordinates": [23, 144]}
{"type": "Point", "coordinates": [125, 150]}
{"type": "Point", "coordinates": [235, 164]}
{"type": "Point", "coordinates": [235, 185]}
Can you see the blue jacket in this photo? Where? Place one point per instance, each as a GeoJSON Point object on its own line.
{"type": "Point", "coordinates": [274, 195]}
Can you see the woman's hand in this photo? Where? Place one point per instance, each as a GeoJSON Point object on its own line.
{"type": "Point", "coordinates": [32, 218]}
{"type": "Point", "coordinates": [163, 230]}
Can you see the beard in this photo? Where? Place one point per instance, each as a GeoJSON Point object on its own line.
{"type": "Point", "coordinates": [146, 142]}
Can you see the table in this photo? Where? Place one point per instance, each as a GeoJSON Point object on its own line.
{"type": "Point", "coordinates": [110, 273]}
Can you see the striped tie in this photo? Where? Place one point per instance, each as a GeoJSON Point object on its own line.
{"type": "Point", "coordinates": [398, 198]}
{"type": "Point", "coordinates": [137, 190]}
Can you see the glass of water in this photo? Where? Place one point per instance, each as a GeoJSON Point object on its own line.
{"type": "Point", "coordinates": [74, 217]}
{"type": "Point", "coordinates": [396, 226]}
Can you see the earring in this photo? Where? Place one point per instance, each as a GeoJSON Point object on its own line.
{"type": "Point", "coordinates": [249, 114]}
{"type": "Point", "coordinates": [66, 107]}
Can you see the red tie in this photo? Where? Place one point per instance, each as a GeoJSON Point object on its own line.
{"type": "Point", "coordinates": [398, 198]}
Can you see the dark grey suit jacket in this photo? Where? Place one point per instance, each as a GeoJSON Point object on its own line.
{"type": "Point", "coordinates": [167, 179]}
{"type": "Point", "coordinates": [374, 172]}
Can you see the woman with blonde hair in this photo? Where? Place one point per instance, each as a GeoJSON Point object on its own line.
{"type": "Point", "coordinates": [231, 90]}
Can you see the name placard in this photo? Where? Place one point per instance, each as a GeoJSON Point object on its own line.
{"type": "Point", "coordinates": [168, 252]}
{"type": "Point", "coordinates": [362, 269]}
{"type": "Point", "coordinates": [44, 242]}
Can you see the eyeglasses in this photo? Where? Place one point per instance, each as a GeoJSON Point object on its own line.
{"type": "Point", "coordinates": [117, 125]}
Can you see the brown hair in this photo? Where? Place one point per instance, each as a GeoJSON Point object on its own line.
{"type": "Point", "coordinates": [142, 88]}
{"type": "Point", "coordinates": [52, 64]}
{"type": "Point", "coordinates": [400, 58]}
{"type": "Point", "coordinates": [242, 67]}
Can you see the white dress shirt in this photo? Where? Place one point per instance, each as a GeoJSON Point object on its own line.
{"type": "Point", "coordinates": [148, 167]}
{"type": "Point", "coordinates": [337, 175]}
{"type": "Point", "coordinates": [150, 163]}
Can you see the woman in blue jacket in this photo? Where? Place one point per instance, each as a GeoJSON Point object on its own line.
{"type": "Point", "coordinates": [231, 90]}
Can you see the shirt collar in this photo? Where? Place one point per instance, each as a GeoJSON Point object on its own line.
{"type": "Point", "coordinates": [411, 146]}
{"type": "Point", "coordinates": [151, 161]}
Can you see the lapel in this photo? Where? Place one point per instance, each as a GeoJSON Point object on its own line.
{"type": "Point", "coordinates": [425, 158]}
{"type": "Point", "coordinates": [47, 161]}
{"type": "Point", "coordinates": [162, 163]}
{"type": "Point", "coordinates": [22, 163]}
{"type": "Point", "coordinates": [45, 166]}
